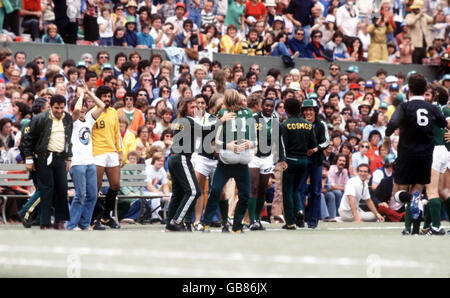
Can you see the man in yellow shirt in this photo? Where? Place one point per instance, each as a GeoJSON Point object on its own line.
{"type": "Point", "coordinates": [108, 157]}
{"type": "Point", "coordinates": [47, 148]}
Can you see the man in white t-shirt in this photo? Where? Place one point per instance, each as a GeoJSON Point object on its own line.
{"type": "Point", "coordinates": [356, 190]}
{"type": "Point", "coordinates": [83, 169]}
{"type": "Point", "coordinates": [347, 19]}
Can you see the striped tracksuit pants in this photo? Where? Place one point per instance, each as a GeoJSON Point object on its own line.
{"type": "Point", "coordinates": [185, 188]}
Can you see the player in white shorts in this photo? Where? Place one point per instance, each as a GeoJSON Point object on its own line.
{"type": "Point", "coordinates": [262, 165]}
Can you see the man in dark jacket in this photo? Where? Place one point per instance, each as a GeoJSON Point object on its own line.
{"type": "Point", "coordinates": [47, 148]}
{"type": "Point", "coordinates": [315, 159]}
{"type": "Point", "coordinates": [298, 44]}
{"type": "Point", "coordinates": [299, 12]}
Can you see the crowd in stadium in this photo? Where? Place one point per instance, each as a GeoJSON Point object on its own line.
{"type": "Point", "coordinates": [147, 92]}
{"type": "Point", "coordinates": [391, 31]}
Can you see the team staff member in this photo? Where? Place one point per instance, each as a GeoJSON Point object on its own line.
{"type": "Point", "coordinates": [185, 188]}
{"type": "Point", "coordinates": [315, 159]}
{"type": "Point", "coordinates": [48, 151]}
{"type": "Point", "coordinates": [262, 165]}
{"type": "Point", "coordinates": [235, 140]}
{"type": "Point", "coordinates": [108, 158]}
{"type": "Point", "coordinates": [297, 137]}
{"type": "Point", "coordinates": [412, 170]}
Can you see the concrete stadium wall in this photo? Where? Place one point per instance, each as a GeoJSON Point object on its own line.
{"type": "Point", "coordinates": [366, 70]}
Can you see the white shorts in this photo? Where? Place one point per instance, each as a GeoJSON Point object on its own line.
{"type": "Point", "coordinates": [440, 159]}
{"type": "Point", "coordinates": [107, 160]}
{"type": "Point", "coordinates": [264, 164]}
{"type": "Point", "coordinates": [448, 160]}
{"type": "Point", "coordinates": [230, 158]}
{"type": "Point", "coordinates": [204, 165]}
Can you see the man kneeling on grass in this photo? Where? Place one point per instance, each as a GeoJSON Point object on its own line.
{"type": "Point", "coordinates": [355, 190]}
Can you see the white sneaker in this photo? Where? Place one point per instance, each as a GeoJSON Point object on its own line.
{"type": "Point", "coordinates": [77, 229]}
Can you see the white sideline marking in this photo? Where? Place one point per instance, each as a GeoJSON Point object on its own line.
{"type": "Point", "coordinates": [202, 256]}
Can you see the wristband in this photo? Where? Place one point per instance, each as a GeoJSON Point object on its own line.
{"type": "Point", "coordinates": [29, 161]}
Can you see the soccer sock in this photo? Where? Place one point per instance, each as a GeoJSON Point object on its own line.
{"type": "Point", "coordinates": [252, 203]}
{"type": "Point", "coordinates": [259, 207]}
{"type": "Point", "coordinates": [110, 200]}
{"type": "Point", "coordinates": [427, 221]}
{"type": "Point", "coordinates": [408, 217]}
{"type": "Point", "coordinates": [435, 212]}
{"type": "Point", "coordinates": [224, 211]}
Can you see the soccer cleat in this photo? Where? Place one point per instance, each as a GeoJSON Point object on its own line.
{"type": "Point", "coordinates": [299, 221]}
{"type": "Point", "coordinates": [172, 226]}
{"type": "Point", "coordinates": [254, 225]}
{"type": "Point", "coordinates": [188, 227]}
{"type": "Point", "coordinates": [415, 210]}
{"type": "Point", "coordinates": [198, 227]}
{"type": "Point", "coordinates": [241, 231]}
{"type": "Point", "coordinates": [226, 229]}
{"type": "Point", "coordinates": [406, 233]}
{"type": "Point", "coordinates": [436, 231]}
{"type": "Point", "coordinates": [425, 231]}
{"type": "Point", "coordinates": [206, 229]}
{"type": "Point", "coordinates": [261, 227]}
{"type": "Point", "coordinates": [97, 226]}
{"type": "Point", "coordinates": [110, 222]}
{"type": "Point", "coordinates": [289, 227]}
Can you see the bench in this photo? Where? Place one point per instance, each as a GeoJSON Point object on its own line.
{"type": "Point", "coordinates": [8, 180]}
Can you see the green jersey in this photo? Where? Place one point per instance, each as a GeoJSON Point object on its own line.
{"type": "Point", "coordinates": [239, 129]}
{"type": "Point", "coordinates": [264, 133]}
{"type": "Point", "coordinates": [439, 132]}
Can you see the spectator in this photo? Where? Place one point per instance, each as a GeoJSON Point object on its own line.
{"type": "Point", "coordinates": [144, 38]}
{"type": "Point", "coordinates": [119, 17]}
{"type": "Point", "coordinates": [32, 20]}
{"type": "Point", "coordinates": [255, 11]}
{"type": "Point", "coordinates": [337, 48]}
{"type": "Point", "coordinates": [297, 44]}
{"type": "Point", "coordinates": [52, 35]}
{"type": "Point", "coordinates": [187, 38]}
{"type": "Point", "coordinates": [130, 33]}
{"type": "Point", "coordinates": [378, 30]}
{"type": "Point", "coordinates": [90, 24]}
{"type": "Point", "coordinates": [337, 179]}
{"type": "Point", "coordinates": [250, 45]}
{"type": "Point", "coordinates": [347, 20]}
{"type": "Point", "coordinates": [299, 12]}
{"type": "Point", "coordinates": [178, 19]}
{"type": "Point", "coordinates": [167, 9]}
{"type": "Point", "coordinates": [315, 47]}
{"type": "Point", "coordinates": [106, 26]}
{"type": "Point", "coordinates": [355, 191]}
{"type": "Point", "coordinates": [163, 36]}
{"type": "Point", "coordinates": [360, 157]}
{"type": "Point", "coordinates": [417, 23]}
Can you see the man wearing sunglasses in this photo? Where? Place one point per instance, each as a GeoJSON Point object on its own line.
{"type": "Point", "coordinates": [102, 57]}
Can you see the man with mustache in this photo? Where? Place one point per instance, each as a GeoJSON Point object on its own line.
{"type": "Point", "coordinates": [108, 157]}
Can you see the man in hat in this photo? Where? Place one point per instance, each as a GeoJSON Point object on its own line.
{"type": "Point", "coordinates": [417, 23]}
{"type": "Point", "coordinates": [315, 155]}
{"type": "Point", "coordinates": [131, 9]}
{"type": "Point", "coordinates": [446, 81]}
{"type": "Point", "coordinates": [353, 72]}
{"type": "Point", "coordinates": [130, 32]}
{"type": "Point", "coordinates": [178, 19]}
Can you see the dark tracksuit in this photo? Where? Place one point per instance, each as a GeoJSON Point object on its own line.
{"type": "Point", "coordinates": [314, 171]}
{"type": "Point", "coordinates": [225, 133]}
{"type": "Point", "coordinates": [297, 137]}
{"type": "Point", "coordinates": [51, 178]}
{"type": "Point", "coordinates": [185, 188]}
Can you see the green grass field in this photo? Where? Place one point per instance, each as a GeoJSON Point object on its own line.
{"type": "Point", "coordinates": [332, 250]}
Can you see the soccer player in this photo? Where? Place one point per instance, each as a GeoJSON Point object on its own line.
{"type": "Point", "coordinates": [108, 158]}
{"type": "Point", "coordinates": [435, 189]}
{"type": "Point", "coordinates": [297, 137]}
{"type": "Point", "coordinates": [412, 170]}
{"type": "Point", "coordinates": [262, 165]}
{"type": "Point", "coordinates": [235, 140]}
